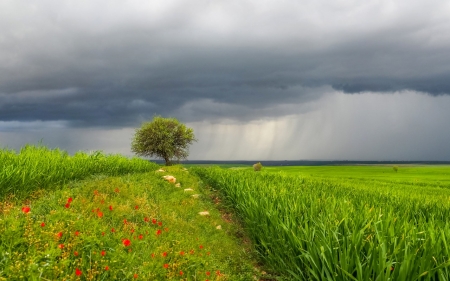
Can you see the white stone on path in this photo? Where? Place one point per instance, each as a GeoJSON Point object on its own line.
{"type": "Point", "coordinates": [170, 179]}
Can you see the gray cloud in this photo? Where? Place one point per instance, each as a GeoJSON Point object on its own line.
{"type": "Point", "coordinates": [113, 64]}
{"type": "Point", "coordinates": [259, 79]}
{"type": "Point", "coordinates": [370, 126]}
{"type": "Point", "coordinates": [405, 125]}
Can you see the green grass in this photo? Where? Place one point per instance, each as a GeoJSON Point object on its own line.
{"type": "Point", "coordinates": [432, 174]}
{"type": "Point", "coordinates": [106, 217]}
{"type": "Point", "coordinates": [408, 175]}
{"type": "Point", "coordinates": [37, 167]}
{"type": "Point", "coordinates": [303, 223]}
{"type": "Point", "coordinates": [344, 223]}
{"type": "Point", "coordinates": [186, 246]}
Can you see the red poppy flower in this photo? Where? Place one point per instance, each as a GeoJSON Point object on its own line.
{"type": "Point", "coordinates": [201, 247]}
{"type": "Point", "coordinates": [181, 253]}
{"type": "Point", "coordinates": [181, 272]}
{"type": "Point", "coordinates": [158, 232]}
{"type": "Point", "coordinates": [191, 252]}
{"type": "Point", "coordinates": [116, 190]}
{"type": "Point", "coordinates": [218, 272]}
{"type": "Point", "coordinates": [43, 224]}
{"type": "Point", "coordinates": [96, 192]}
{"type": "Point", "coordinates": [69, 200]}
{"type": "Point", "coordinates": [103, 234]}
{"type": "Point", "coordinates": [160, 223]}
{"type": "Point", "coordinates": [113, 230]}
{"type": "Point", "coordinates": [126, 242]}
{"type": "Point", "coordinates": [26, 209]}
{"type": "Point", "coordinates": [208, 273]}
{"type": "Point", "coordinates": [67, 205]}
{"type": "Point", "coordinates": [166, 265]}
{"type": "Point", "coordinates": [78, 272]}
{"type": "Point", "coordinates": [75, 254]}
{"type": "Point", "coordinates": [153, 255]}
{"type": "Point", "coordinates": [135, 276]}
{"type": "Point", "coordinates": [164, 254]}
{"type": "Point", "coordinates": [106, 267]}
{"type": "Point", "coordinates": [136, 207]}
{"type": "Point", "coordinates": [166, 229]}
{"type": "Point", "coordinates": [146, 219]}
{"type": "Point", "coordinates": [100, 214]}
{"type": "Point", "coordinates": [125, 221]}
{"type": "Point", "coordinates": [154, 221]}
{"type": "Point", "coordinates": [141, 236]}
{"type": "Point", "coordinates": [61, 246]}
{"type": "Point", "coordinates": [103, 253]}
{"type": "Point", "coordinates": [110, 207]}
{"type": "Point", "coordinates": [59, 234]}
{"type": "Point", "coordinates": [132, 231]}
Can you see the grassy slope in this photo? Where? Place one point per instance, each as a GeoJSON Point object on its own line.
{"type": "Point", "coordinates": [38, 167]}
{"type": "Point", "coordinates": [189, 244]}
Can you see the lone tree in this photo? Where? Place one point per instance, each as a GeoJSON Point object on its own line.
{"type": "Point", "coordinates": [164, 138]}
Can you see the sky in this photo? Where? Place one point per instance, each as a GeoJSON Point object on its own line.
{"type": "Point", "coordinates": [255, 79]}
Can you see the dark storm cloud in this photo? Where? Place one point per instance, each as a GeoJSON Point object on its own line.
{"type": "Point", "coordinates": [113, 64]}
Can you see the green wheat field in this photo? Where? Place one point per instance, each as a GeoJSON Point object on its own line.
{"type": "Point", "coordinates": [92, 216]}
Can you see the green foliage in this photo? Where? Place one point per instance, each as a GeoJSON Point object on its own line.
{"type": "Point", "coordinates": [38, 167]}
{"type": "Point", "coordinates": [331, 229]}
{"type": "Point", "coordinates": [169, 240]}
{"type": "Point", "coordinates": [395, 168]}
{"type": "Point", "coordinates": [165, 138]}
{"type": "Point", "coordinates": [257, 167]}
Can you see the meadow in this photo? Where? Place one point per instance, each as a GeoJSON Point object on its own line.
{"type": "Point", "coordinates": [343, 222]}
{"type": "Point", "coordinates": [93, 216]}
{"type": "Point", "coordinates": [428, 175]}
{"type": "Point", "coordinates": [106, 217]}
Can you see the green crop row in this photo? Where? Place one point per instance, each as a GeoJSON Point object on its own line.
{"type": "Point", "coordinates": [310, 229]}
{"type": "Point", "coordinates": [38, 167]}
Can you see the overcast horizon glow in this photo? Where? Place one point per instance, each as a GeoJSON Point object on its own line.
{"type": "Point", "coordinates": [269, 80]}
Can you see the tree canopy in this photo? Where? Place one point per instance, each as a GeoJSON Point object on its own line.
{"type": "Point", "coordinates": [164, 138]}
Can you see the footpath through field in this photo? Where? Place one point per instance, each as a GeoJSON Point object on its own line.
{"type": "Point", "coordinates": [132, 227]}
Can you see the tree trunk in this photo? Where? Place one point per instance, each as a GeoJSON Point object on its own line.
{"type": "Point", "coordinates": [167, 161]}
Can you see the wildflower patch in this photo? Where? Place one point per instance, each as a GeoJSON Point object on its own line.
{"type": "Point", "coordinates": [119, 228]}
